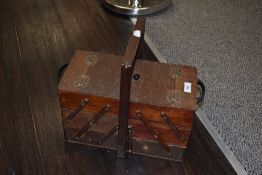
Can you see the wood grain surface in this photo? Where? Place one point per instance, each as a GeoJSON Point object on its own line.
{"type": "Point", "coordinates": [159, 84]}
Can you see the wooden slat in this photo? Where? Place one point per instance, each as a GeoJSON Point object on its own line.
{"type": "Point", "coordinates": [44, 48]}
{"type": "Point", "coordinates": [89, 27]}
{"type": "Point", "coordinates": [88, 162]}
{"type": "Point", "coordinates": [18, 141]}
{"type": "Point", "coordinates": [44, 45]}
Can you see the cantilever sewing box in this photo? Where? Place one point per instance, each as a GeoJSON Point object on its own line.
{"type": "Point", "coordinates": [126, 104]}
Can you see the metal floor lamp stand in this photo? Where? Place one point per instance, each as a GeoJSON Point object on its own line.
{"type": "Point", "coordinates": [136, 7]}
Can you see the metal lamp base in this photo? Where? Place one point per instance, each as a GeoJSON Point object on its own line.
{"type": "Point", "coordinates": [136, 7]}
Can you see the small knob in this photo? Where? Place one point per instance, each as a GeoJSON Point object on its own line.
{"type": "Point", "coordinates": [136, 76]}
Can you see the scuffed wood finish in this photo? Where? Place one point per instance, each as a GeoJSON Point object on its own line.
{"type": "Point", "coordinates": [98, 74]}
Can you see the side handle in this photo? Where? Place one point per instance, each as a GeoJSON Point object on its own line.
{"type": "Point", "coordinates": [201, 92]}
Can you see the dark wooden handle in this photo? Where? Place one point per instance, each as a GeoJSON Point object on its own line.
{"type": "Point", "coordinates": [133, 45]}
{"type": "Point", "coordinates": [125, 84]}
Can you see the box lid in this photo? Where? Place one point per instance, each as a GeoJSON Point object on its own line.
{"type": "Point", "coordinates": [154, 83]}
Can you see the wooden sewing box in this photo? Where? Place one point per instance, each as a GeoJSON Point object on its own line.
{"type": "Point", "coordinates": [126, 104]}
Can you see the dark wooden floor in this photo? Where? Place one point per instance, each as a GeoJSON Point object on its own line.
{"type": "Point", "coordinates": [36, 38]}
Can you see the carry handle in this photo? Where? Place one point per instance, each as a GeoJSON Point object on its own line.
{"type": "Point", "coordinates": [133, 51]}
{"type": "Point", "coordinates": [202, 91]}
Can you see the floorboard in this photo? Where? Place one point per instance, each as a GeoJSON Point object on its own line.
{"type": "Point", "coordinates": [43, 49]}
{"type": "Point", "coordinates": [19, 145]}
{"type": "Point", "coordinates": [94, 161]}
